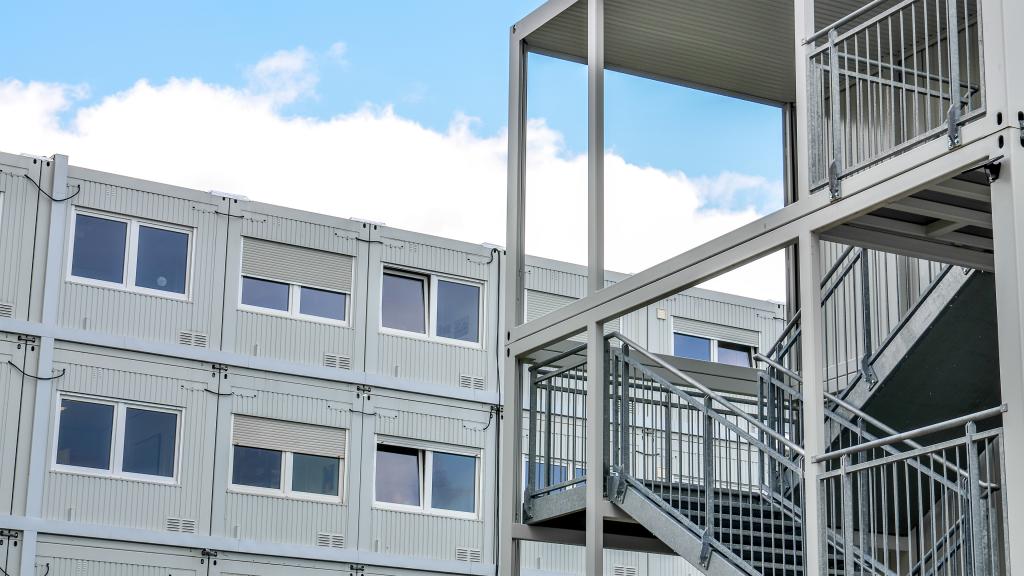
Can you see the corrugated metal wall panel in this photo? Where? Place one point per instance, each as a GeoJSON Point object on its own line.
{"type": "Point", "coordinates": [436, 536]}
{"type": "Point", "coordinates": [445, 260]}
{"type": "Point", "coordinates": [430, 361]}
{"type": "Point", "coordinates": [297, 265]}
{"type": "Point", "coordinates": [283, 520]}
{"type": "Point", "coordinates": [408, 418]}
{"type": "Point", "coordinates": [84, 557]}
{"type": "Point", "coordinates": [296, 228]}
{"type": "Point", "coordinates": [17, 228]}
{"type": "Point", "coordinates": [10, 405]}
{"type": "Point", "coordinates": [292, 339]}
{"type": "Point", "coordinates": [127, 313]}
{"type": "Point", "coordinates": [129, 502]}
{"type": "Point", "coordinates": [702, 309]}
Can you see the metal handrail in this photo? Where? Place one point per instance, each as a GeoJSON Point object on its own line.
{"type": "Point", "coordinates": [917, 432]}
{"type": "Point", "coordinates": [707, 392]}
{"type": "Point", "coordinates": [762, 358]}
{"type": "Point", "coordinates": [844, 20]}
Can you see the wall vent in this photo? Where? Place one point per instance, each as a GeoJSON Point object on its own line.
{"type": "Point", "coordinates": [625, 571]}
{"type": "Point", "coordinates": [328, 540]}
{"type": "Point", "coordinates": [184, 525]}
{"type": "Point", "coordinates": [467, 554]}
{"type": "Point", "coordinates": [186, 338]}
{"type": "Point", "coordinates": [6, 310]}
{"type": "Point", "coordinates": [337, 361]}
{"type": "Point", "coordinates": [471, 382]}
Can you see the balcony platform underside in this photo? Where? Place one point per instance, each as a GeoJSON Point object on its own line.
{"type": "Point", "coordinates": [947, 222]}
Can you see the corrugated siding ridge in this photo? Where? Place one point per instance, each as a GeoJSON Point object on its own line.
{"type": "Point", "coordinates": [288, 436]}
{"type": "Point", "coordinates": [297, 264]}
{"type": "Point", "coordinates": [717, 331]}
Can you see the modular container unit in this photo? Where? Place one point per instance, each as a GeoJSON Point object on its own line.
{"type": "Point", "coordinates": [548, 559]}
{"type": "Point", "coordinates": [142, 260]}
{"type": "Point", "coordinates": [71, 556]}
{"type": "Point", "coordinates": [289, 460]}
{"type": "Point", "coordinates": [429, 479]}
{"type": "Point", "coordinates": [296, 286]}
{"type": "Point", "coordinates": [433, 311]}
{"type": "Point", "coordinates": [131, 440]}
{"type": "Point", "coordinates": [20, 201]}
{"type": "Point", "coordinates": [10, 551]}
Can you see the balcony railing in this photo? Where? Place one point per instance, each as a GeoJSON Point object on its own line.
{"type": "Point", "coordinates": [888, 77]}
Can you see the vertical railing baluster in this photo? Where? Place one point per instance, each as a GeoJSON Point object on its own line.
{"type": "Point", "coordinates": [531, 458]}
{"type": "Point", "coordinates": [953, 45]}
{"type": "Point", "coordinates": [836, 167]}
{"type": "Point", "coordinates": [548, 431]}
{"type": "Point", "coordinates": [709, 482]}
{"type": "Point", "coordinates": [847, 484]}
{"type": "Point", "coordinates": [624, 415]}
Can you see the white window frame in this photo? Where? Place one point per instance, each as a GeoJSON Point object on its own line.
{"type": "Point", "coordinates": [116, 464]}
{"type": "Point", "coordinates": [430, 281]}
{"type": "Point", "coordinates": [714, 347]}
{"type": "Point", "coordinates": [130, 263]}
{"type": "Point", "coordinates": [294, 301]}
{"type": "Point", "coordinates": [426, 467]}
{"type": "Point", "coordinates": [284, 489]}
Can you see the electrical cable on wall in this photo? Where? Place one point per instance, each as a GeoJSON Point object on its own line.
{"type": "Point", "coordinates": [47, 194]}
{"type": "Point", "coordinates": [41, 378]}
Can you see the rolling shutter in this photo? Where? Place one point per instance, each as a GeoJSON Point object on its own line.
{"type": "Point", "coordinates": [542, 303]}
{"type": "Point", "coordinates": [288, 436]}
{"type": "Point", "coordinates": [716, 331]}
{"type": "Point", "coordinates": [297, 265]}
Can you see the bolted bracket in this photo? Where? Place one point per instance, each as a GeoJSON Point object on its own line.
{"type": "Point", "coordinates": [705, 548]}
{"type": "Point", "coordinates": [992, 168]}
{"type": "Point", "coordinates": [867, 372]}
{"type": "Point", "coordinates": [616, 486]}
{"type": "Point", "coordinates": [953, 124]}
{"type": "Point", "coordinates": [835, 192]}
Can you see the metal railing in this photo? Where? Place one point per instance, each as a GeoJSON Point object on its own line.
{"type": "Point", "coordinates": [707, 460]}
{"type": "Point", "coordinates": [934, 509]}
{"type": "Point", "coordinates": [887, 77]}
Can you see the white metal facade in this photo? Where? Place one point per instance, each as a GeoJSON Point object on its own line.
{"type": "Point", "coordinates": [215, 362]}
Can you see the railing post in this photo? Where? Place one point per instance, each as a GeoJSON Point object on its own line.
{"type": "Point", "coordinates": [624, 450]}
{"type": "Point", "coordinates": [548, 433]}
{"type": "Point", "coordinates": [978, 536]}
{"type": "Point", "coordinates": [836, 167]}
{"type": "Point", "coordinates": [953, 44]}
{"type": "Point", "coordinates": [866, 371]}
{"type": "Point", "coordinates": [531, 458]}
{"type": "Point", "coordinates": [709, 468]}
{"type": "Point", "coordinates": [848, 555]}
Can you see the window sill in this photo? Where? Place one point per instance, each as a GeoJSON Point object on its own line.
{"type": "Point", "coordinates": [289, 316]}
{"type": "Point", "coordinates": [96, 473]}
{"type": "Point", "coordinates": [432, 339]}
{"type": "Point", "coordinates": [280, 494]}
{"type": "Point", "coordinates": [129, 290]}
{"type": "Point", "coordinates": [433, 512]}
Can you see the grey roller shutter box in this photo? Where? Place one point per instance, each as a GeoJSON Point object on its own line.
{"type": "Point", "coordinates": [716, 331]}
{"type": "Point", "coordinates": [542, 303]}
{"type": "Point", "coordinates": [297, 265]}
{"type": "Point", "coordinates": [288, 436]}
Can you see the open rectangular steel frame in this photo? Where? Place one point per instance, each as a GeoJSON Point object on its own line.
{"type": "Point", "coordinates": [994, 138]}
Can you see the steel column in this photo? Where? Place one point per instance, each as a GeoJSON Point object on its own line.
{"type": "Point", "coordinates": [1008, 234]}
{"type": "Point", "coordinates": [811, 347]}
{"type": "Point", "coordinates": [511, 420]}
{"type": "Point", "coordinates": [595, 426]}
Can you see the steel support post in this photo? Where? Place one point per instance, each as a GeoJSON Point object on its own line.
{"type": "Point", "coordinates": [811, 338]}
{"type": "Point", "coordinates": [803, 21]}
{"type": "Point", "coordinates": [1008, 236]}
{"type": "Point", "coordinates": [512, 419]}
{"type": "Point", "coordinates": [597, 386]}
{"type": "Point", "coordinates": [596, 366]}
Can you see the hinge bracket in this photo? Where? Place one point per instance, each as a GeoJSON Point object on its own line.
{"type": "Point", "coordinates": [219, 367]}
{"type": "Point", "coordinates": [357, 567]}
{"type": "Point", "coordinates": [28, 339]}
{"type": "Point", "coordinates": [208, 553]}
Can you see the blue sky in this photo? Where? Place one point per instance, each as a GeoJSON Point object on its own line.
{"type": "Point", "coordinates": [372, 79]}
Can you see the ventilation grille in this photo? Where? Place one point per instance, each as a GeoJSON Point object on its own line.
{"type": "Point", "coordinates": [472, 382]}
{"type": "Point", "coordinates": [6, 310]}
{"type": "Point", "coordinates": [186, 338]}
{"type": "Point", "coordinates": [184, 525]}
{"type": "Point", "coordinates": [467, 554]}
{"type": "Point", "coordinates": [337, 361]}
{"type": "Point", "coordinates": [625, 571]}
{"type": "Point", "coordinates": [328, 540]}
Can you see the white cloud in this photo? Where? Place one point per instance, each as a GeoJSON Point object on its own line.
{"type": "Point", "coordinates": [373, 164]}
{"type": "Point", "coordinates": [339, 53]}
{"type": "Point", "coordinates": [284, 76]}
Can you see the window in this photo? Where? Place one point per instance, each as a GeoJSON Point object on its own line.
{"type": "Point", "coordinates": [116, 438]}
{"type": "Point", "coordinates": [711, 350]}
{"type": "Point", "coordinates": [290, 459]}
{"type": "Point", "coordinates": [295, 281]}
{"type": "Point", "coordinates": [126, 253]}
{"type": "Point", "coordinates": [439, 481]}
{"type": "Point", "coordinates": [403, 303]}
{"type": "Point", "coordinates": [454, 306]}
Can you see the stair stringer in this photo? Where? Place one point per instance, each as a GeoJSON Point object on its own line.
{"type": "Point", "coordinates": [679, 535]}
{"type": "Point", "coordinates": [901, 343]}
